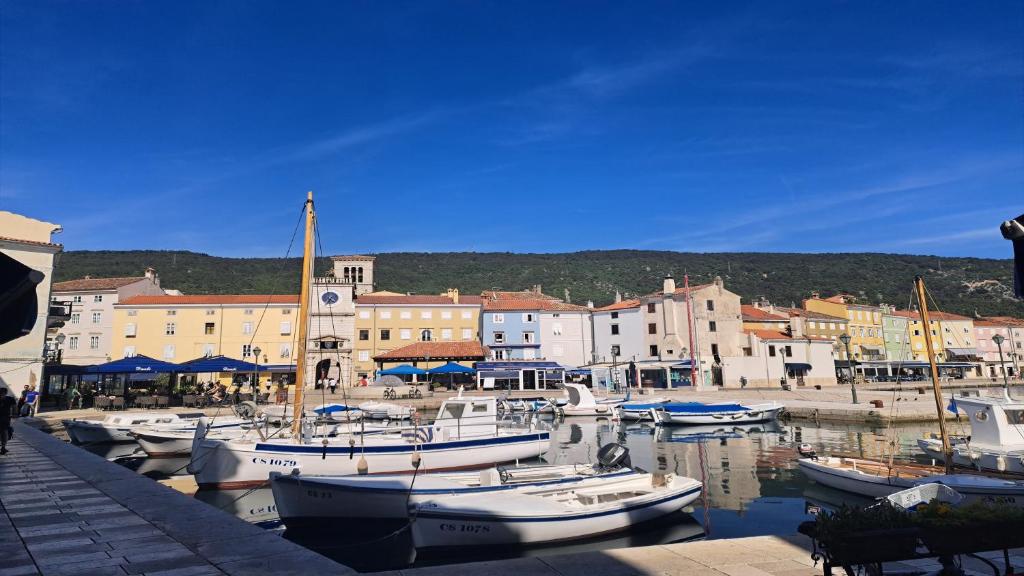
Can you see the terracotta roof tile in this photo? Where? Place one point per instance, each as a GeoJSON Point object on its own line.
{"type": "Point", "coordinates": [754, 313]}
{"type": "Point", "coordinates": [810, 314]}
{"type": "Point", "coordinates": [95, 284]}
{"type": "Point", "coordinates": [931, 315]}
{"type": "Point", "coordinates": [1006, 320]}
{"type": "Point", "coordinates": [681, 290]}
{"type": "Point", "coordinates": [32, 242]}
{"type": "Point", "coordinates": [515, 295]}
{"type": "Point", "coordinates": [467, 350]}
{"type": "Point", "coordinates": [546, 305]}
{"type": "Point", "coordinates": [776, 335]}
{"type": "Point", "coordinates": [211, 299]}
{"type": "Point", "coordinates": [415, 299]}
{"type": "Point", "coordinates": [624, 305]}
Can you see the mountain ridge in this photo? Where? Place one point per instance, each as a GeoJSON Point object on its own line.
{"type": "Point", "coordinates": [963, 285]}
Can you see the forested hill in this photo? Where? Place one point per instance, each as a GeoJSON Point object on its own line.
{"type": "Point", "coordinates": [961, 285]}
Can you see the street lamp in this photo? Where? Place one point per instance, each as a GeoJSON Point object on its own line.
{"type": "Point", "coordinates": [60, 342]}
{"type": "Point", "coordinates": [998, 339]}
{"type": "Point", "coordinates": [256, 375]}
{"type": "Point", "coordinates": [845, 339]}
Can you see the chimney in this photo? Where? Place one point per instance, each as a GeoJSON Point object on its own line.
{"type": "Point", "coordinates": [567, 300]}
{"type": "Point", "coordinates": [618, 297]}
{"type": "Point", "coordinates": [815, 294]}
{"type": "Point", "coordinates": [669, 285]}
{"type": "Point", "coordinates": [453, 293]}
{"type": "Point", "coordinates": [152, 276]}
{"type": "Point", "coordinates": [590, 303]}
{"type": "Point", "coordinates": [796, 326]}
{"type": "Point", "coordinates": [719, 282]}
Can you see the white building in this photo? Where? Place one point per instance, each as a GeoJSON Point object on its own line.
{"type": "Point", "coordinates": [617, 332]}
{"type": "Point", "coordinates": [566, 334]}
{"type": "Point", "coordinates": [28, 242]}
{"type": "Point", "coordinates": [88, 334]}
{"type": "Point", "coordinates": [770, 356]}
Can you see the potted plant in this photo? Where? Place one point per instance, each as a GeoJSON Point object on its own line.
{"type": "Point", "coordinates": [976, 527]}
{"type": "Point", "coordinates": [854, 535]}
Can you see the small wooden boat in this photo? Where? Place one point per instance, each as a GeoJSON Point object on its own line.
{"type": "Point", "coordinates": [560, 513]}
{"type": "Point", "coordinates": [699, 413]}
{"type": "Point", "coordinates": [318, 502]}
{"type": "Point", "coordinates": [876, 479]}
{"type": "Point", "coordinates": [118, 427]}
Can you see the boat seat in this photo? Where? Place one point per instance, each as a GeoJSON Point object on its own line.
{"type": "Point", "coordinates": [489, 477]}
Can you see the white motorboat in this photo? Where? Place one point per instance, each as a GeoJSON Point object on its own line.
{"type": "Point", "coordinates": [996, 443]}
{"type": "Point", "coordinates": [581, 402]}
{"type": "Point", "coordinates": [386, 411]}
{"type": "Point", "coordinates": [118, 427]}
{"type": "Point", "coordinates": [700, 413]}
{"type": "Point", "coordinates": [319, 502]}
{"type": "Point", "coordinates": [875, 479]}
{"type": "Point", "coordinates": [557, 514]}
{"type": "Point", "coordinates": [466, 434]}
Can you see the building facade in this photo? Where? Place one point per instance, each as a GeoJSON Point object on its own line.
{"type": "Point", "coordinates": [864, 325]}
{"type": "Point", "coordinates": [898, 347]}
{"type": "Point", "coordinates": [331, 338]}
{"type": "Point", "coordinates": [1011, 349]}
{"type": "Point", "coordinates": [386, 322]}
{"type": "Point", "coordinates": [772, 359]}
{"type": "Point", "coordinates": [181, 328]}
{"type": "Point", "coordinates": [530, 325]}
{"type": "Point", "coordinates": [29, 243]}
{"type": "Point", "coordinates": [618, 332]}
{"type": "Point", "coordinates": [88, 334]}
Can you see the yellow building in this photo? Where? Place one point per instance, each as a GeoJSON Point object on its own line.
{"type": "Point", "coordinates": [385, 322]}
{"type": "Point", "coordinates": [864, 325]}
{"type": "Point", "coordinates": [952, 336]}
{"type": "Point", "coordinates": [182, 328]}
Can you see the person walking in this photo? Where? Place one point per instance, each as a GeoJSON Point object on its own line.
{"type": "Point", "coordinates": [21, 401]}
{"type": "Point", "coordinates": [71, 395]}
{"type": "Point", "coordinates": [333, 385]}
{"type": "Point", "coordinates": [7, 406]}
{"type": "Point", "coordinates": [31, 401]}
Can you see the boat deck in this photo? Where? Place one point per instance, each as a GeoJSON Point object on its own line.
{"type": "Point", "coordinates": [65, 511]}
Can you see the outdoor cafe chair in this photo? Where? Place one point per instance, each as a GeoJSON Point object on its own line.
{"type": "Point", "coordinates": [117, 403]}
{"type": "Point", "coordinates": [162, 401]}
{"type": "Point", "coordinates": [101, 403]}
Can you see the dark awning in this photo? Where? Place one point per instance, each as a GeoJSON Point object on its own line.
{"type": "Point", "coordinates": [211, 364]}
{"type": "Point", "coordinates": [136, 365]}
{"type": "Point", "coordinates": [797, 366]}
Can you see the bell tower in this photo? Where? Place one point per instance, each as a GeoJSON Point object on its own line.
{"type": "Point", "coordinates": [356, 271]}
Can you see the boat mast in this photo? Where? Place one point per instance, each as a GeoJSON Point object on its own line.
{"type": "Point", "coordinates": [302, 321]}
{"type": "Point", "coordinates": [922, 301]}
{"type": "Point", "coordinates": [689, 324]}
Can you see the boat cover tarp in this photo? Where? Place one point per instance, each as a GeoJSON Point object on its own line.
{"type": "Point", "coordinates": [698, 408]}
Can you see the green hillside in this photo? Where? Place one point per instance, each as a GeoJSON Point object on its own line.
{"type": "Point", "coordinates": [962, 285]}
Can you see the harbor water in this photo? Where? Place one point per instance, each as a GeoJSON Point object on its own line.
{"type": "Point", "coordinates": [752, 484]}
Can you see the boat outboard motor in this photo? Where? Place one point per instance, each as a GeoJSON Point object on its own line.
{"type": "Point", "coordinates": [613, 455]}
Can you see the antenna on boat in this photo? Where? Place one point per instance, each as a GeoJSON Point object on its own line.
{"type": "Point", "coordinates": [300, 364]}
{"type": "Point", "coordinates": [922, 301]}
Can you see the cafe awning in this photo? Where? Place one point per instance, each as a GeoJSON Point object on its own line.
{"type": "Point", "coordinates": [797, 366]}
{"type": "Point", "coordinates": [136, 365]}
{"type": "Point", "coordinates": [211, 364]}
{"type": "Point", "coordinates": [402, 370]}
{"type": "Point", "coordinates": [451, 368]}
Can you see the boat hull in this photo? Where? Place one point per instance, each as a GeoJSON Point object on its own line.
{"type": "Point", "coordinates": [446, 528]}
{"type": "Point", "coordinates": [84, 432]}
{"type": "Point", "coordinates": [754, 414]}
{"type": "Point", "coordinates": [227, 465]}
{"type": "Point", "coordinates": [852, 481]}
{"type": "Point", "coordinates": [306, 503]}
{"type": "Point", "coordinates": [978, 458]}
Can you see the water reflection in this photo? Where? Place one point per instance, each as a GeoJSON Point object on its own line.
{"type": "Point", "coordinates": [752, 485]}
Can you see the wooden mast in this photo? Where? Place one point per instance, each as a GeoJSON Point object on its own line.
{"type": "Point", "coordinates": [922, 300]}
{"type": "Point", "coordinates": [303, 321]}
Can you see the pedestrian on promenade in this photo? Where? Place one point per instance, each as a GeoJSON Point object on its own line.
{"type": "Point", "coordinates": [7, 406]}
{"type": "Point", "coordinates": [71, 395]}
{"type": "Point", "coordinates": [21, 400]}
{"type": "Point", "coordinates": [31, 400]}
{"type": "Point", "coordinates": [362, 381]}
{"type": "Point", "coordinates": [333, 385]}
{"type": "Point", "coordinates": [282, 393]}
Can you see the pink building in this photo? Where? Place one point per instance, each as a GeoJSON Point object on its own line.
{"type": "Point", "coordinates": [1012, 332]}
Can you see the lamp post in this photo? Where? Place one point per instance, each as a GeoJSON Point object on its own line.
{"type": "Point", "coordinates": [998, 339]}
{"type": "Point", "coordinates": [59, 353]}
{"type": "Point", "coordinates": [615, 370]}
{"type": "Point", "coordinates": [256, 375]}
{"type": "Point", "coordinates": [785, 376]}
{"type": "Point", "coordinates": [845, 339]}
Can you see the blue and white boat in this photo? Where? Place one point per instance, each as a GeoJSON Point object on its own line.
{"type": "Point", "coordinates": [465, 435]}
{"type": "Point", "coordinates": [640, 410]}
{"type": "Point", "coordinates": [698, 413]}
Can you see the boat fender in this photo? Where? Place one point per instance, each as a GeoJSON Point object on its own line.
{"type": "Point", "coordinates": [362, 468]}
{"type": "Point", "coordinates": [351, 448]}
{"type": "Point", "coordinates": [323, 454]}
{"type": "Point", "coordinates": [416, 460]}
{"type": "Point", "coordinates": [1000, 464]}
{"type": "Point", "coordinates": [975, 456]}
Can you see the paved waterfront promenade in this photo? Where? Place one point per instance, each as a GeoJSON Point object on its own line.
{"type": "Point", "coordinates": [65, 511]}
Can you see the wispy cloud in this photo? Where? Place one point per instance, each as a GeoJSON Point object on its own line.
{"type": "Point", "coordinates": [990, 232]}
{"type": "Point", "coordinates": [357, 136]}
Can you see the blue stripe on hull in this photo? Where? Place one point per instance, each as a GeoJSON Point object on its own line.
{"type": "Point", "coordinates": [400, 448]}
{"type": "Point", "coordinates": [453, 490]}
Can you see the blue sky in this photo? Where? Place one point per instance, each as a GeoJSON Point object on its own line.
{"type": "Point", "coordinates": [516, 126]}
